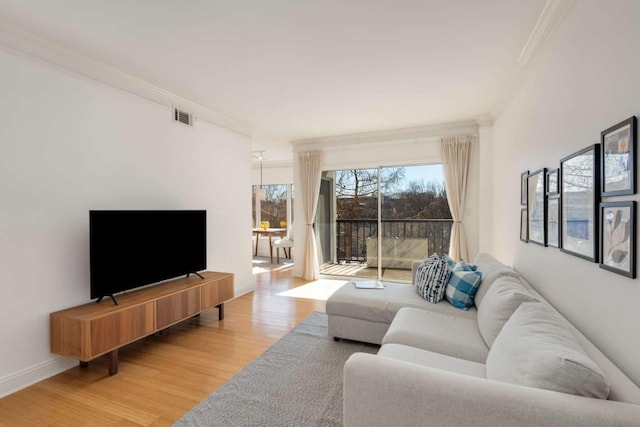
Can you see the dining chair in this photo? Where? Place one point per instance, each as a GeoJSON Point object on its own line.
{"type": "Point", "coordinates": [285, 243]}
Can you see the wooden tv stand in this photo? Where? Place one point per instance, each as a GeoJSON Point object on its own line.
{"type": "Point", "coordinates": [91, 330]}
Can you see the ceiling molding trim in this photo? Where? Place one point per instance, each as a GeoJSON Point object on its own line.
{"type": "Point", "coordinates": [16, 40]}
{"type": "Point", "coordinates": [549, 20]}
{"type": "Point", "coordinates": [484, 120]}
{"type": "Point", "coordinates": [388, 136]}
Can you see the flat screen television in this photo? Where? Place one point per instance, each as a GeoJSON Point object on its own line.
{"type": "Point", "coordinates": [129, 249]}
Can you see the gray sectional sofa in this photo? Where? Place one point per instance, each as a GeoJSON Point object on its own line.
{"type": "Point", "coordinates": [510, 360]}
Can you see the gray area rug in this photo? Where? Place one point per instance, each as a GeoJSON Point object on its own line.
{"type": "Point", "coordinates": [296, 382]}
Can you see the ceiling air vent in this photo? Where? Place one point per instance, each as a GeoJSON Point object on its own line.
{"type": "Point", "coordinates": [182, 117]}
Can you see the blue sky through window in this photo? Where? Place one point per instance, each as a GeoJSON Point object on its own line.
{"type": "Point", "coordinates": [423, 173]}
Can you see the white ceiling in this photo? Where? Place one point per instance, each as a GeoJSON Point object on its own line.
{"type": "Point", "coordinates": [298, 69]}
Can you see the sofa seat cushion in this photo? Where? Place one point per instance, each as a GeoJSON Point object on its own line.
{"type": "Point", "coordinates": [438, 332]}
{"type": "Point", "coordinates": [536, 349]}
{"type": "Point", "coordinates": [432, 360]}
{"type": "Point", "coordinates": [381, 305]}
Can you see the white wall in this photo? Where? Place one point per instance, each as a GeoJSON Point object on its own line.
{"type": "Point", "coordinates": [271, 174]}
{"type": "Point", "coordinates": [70, 144]}
{"type": "Point", "coordinates": [585, 81]}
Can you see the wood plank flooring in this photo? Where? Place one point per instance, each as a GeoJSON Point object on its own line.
{"type": "Point", "coordinates": [163, 376]}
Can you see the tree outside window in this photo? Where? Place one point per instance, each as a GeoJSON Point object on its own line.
{"type": "Point", "coordinates": [274, 207]}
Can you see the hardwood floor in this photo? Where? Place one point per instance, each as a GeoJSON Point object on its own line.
{"type": "Point", "coordinates": [163, 376]}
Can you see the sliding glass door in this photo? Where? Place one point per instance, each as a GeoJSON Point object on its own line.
{"type": "Point", "coordinates": [385, 219]}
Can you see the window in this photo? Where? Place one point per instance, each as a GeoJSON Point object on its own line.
{"type": "Point", "coordinates": [276, 207]}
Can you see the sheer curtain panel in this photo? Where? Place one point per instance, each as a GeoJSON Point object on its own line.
{"type": "Point", "coordinates": [456, 152]}
{"type": "Point", "coordinates": [310, 169]}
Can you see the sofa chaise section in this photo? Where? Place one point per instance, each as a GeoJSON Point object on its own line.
{"type": "Point", "coordinates": [365, 314]}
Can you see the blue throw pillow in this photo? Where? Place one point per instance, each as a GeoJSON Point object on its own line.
{"type": "Point", "coordinates": [432, 277]}
{"type": "Point", "coordinates": [459, 265]}
{"type": "Point", "coordinates": [450, 261]}
{"type": "Point", "coordinates": [463, 285]}
{"type": "Point", "coordinates": [463, 266]}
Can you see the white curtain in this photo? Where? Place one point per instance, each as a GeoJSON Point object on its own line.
{"type": "Point", "coordinates": [456, 152]}
{"type": "Point", "coordinates": [310, 170]}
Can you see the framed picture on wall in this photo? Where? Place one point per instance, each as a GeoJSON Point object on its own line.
{"type": "Point", "coordinates": [553, 221]}
{"type": "Point", "coordinates": [523, 187]}
{"type": "Point", "coordinates": [553, 186]}
{"type": "Point", "coordinates": [619, 159]}
{"type": "Point", "coordinates": [537, 206]}
{"type": "Point", "coordinates": [580, 195]}
{"type": "Point", "coordinates": [618, 237]}
{"type": "Point", "coordinates": [524, 225]}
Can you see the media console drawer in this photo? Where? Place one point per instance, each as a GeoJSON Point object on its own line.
{"type": "Point", "coordinates": [174, 308]}
{"type": "Point", "coordinates": [120, 328]}
{"type": "Point", "coordinates": [91, 330]}
{"type": "Point", "coordinates": [213, 294]}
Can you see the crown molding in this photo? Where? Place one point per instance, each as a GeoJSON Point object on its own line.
{"type": "Point", "coordinates": [21, 42]}
{"type": "Point", "coordinates": [484, 120]}
{"type": "Point", "coordinates": [549, 20]}
{"type": "Point", "coordinates": [389, 135]}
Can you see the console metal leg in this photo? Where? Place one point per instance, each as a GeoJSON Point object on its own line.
{"type": "Point", "coordinates": [84, 364]}
{"type": "Point", "coordinates": [220, 308]}
{"type": "Point", "coordinates": [113, 362]}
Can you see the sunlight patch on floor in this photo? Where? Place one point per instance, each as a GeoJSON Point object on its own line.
{"type": "Point", "coordinates": [264, 265]}
{"type": "Point", "coordinates": [321, 289]}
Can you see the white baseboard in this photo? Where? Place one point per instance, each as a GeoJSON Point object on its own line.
{"type": "Point", "coordinates": [242, 291]}
{"type": "Point", "coordinates": [33, 374]}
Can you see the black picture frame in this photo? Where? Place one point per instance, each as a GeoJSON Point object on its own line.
{"type": "Point", "coordinates": [523, 187]}
{"type": "Point", "coordinates": [537, 207]}
{"type": "Point", "coordinates": [553, 183]}
{"type": "Point", "coordinates": [580, 198]}
{"type": "Point", "coordinates": [524, 226]}
{"type": "Point", "coordinates": [553, 222]}
{"type": "Point", "coordinates": [618, 237]}
{"type": "Point", "coordinates": [618, 168]}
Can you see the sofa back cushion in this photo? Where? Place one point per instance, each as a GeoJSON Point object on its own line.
{"type": "Point", "coordinates": [501, 300]}
{"type": "Point", "coordinates": [491, 269]}
{"type": "Point", "coordinates": [536, 349]}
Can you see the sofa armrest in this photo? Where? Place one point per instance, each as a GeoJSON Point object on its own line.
{"type": "Point", "coordinates": [380, 391]}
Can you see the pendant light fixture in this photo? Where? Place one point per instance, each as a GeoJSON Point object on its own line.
{"type": "Point", "coordinates": [261, 193]}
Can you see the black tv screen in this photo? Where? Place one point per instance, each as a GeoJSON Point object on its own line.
{"type": "Point", "coordinates": [129, 249]}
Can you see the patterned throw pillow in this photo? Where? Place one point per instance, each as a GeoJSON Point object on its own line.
{"type": "Point", "coordinates": [431, 278]}
{"type": "Point", "coordinates": [463, 285]}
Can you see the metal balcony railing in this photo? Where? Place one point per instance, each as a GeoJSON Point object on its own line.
{"type": "Point", "coordinates": [353, 234]}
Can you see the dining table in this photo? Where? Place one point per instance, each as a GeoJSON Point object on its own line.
{"type": "Point", "coordinates": [280, 232]}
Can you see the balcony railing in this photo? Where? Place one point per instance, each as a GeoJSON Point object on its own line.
{"type": "Point", "coordinates": [353, 234]}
